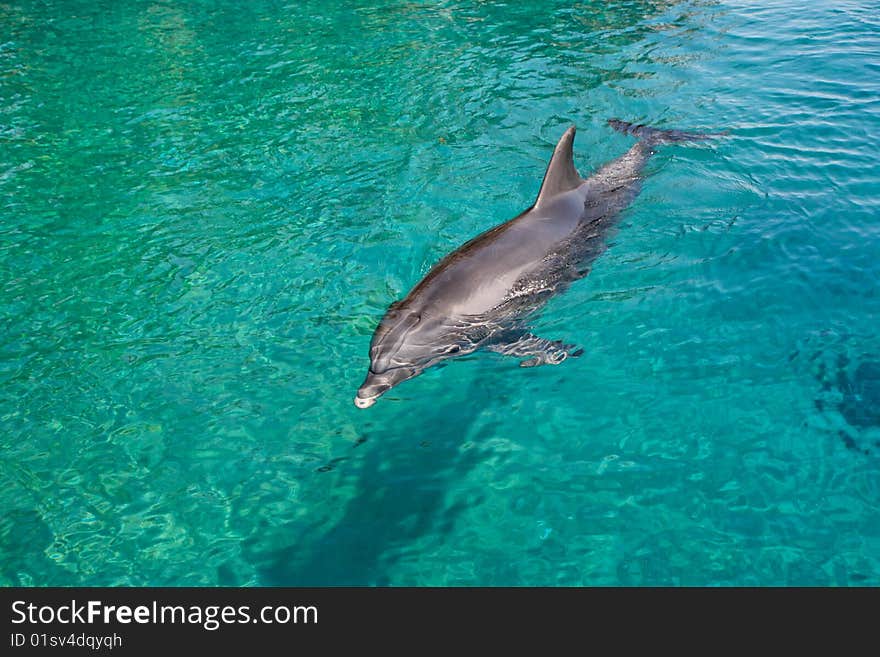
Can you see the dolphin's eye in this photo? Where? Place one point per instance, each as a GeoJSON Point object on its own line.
{"type": "Point", "coordinates": [454, 349]}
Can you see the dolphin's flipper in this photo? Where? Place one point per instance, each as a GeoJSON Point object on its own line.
{"type": "Point", "coordinates": [542, 352]}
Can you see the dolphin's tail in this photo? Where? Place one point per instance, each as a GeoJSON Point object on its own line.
{"type": "Point", "coordinates": [653, 136]}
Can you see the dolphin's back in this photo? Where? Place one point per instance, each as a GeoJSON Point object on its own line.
{"type": "Point", "coordinates": [540, 247]}
{"type": "Point", "coordinates": [483, 274]}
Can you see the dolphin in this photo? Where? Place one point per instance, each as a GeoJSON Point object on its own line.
{"type": "Point", "coordinates": [482, 295]}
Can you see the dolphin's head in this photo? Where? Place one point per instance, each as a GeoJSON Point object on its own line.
{"type": "Point", "coordinates": [406, 342]}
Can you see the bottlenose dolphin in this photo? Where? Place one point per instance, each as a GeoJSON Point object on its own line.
{"type": "Point", "coordinates": [482, 294]}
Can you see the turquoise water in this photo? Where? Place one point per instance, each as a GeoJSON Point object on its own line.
{"type": "Point", "coordinates": [207, 207]}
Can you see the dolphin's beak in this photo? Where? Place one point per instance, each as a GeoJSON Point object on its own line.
{"type": "Point", "coordinates": [365, 402]}
{"type": "Point", "coordinates": [376, 385]}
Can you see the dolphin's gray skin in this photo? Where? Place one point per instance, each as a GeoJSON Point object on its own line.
{"type": "Point", "coordinates": [480, 295]}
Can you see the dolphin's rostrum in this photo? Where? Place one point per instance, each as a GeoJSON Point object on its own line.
{"type": "Point", "coordinates": [482, 294]}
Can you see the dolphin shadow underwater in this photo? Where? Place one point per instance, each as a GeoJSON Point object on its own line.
{"type": "Point", "coordinates": [483, 294]}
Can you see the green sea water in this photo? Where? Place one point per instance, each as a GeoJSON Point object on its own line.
{"type": "Point", "coordinates": [208, 206]}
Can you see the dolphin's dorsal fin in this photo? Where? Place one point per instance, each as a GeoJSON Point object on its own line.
{"type": "Point", "coordinates": [561, 175]}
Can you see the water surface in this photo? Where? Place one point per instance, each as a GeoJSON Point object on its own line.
{"type": "Point", "coordinates": [207, 207]}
